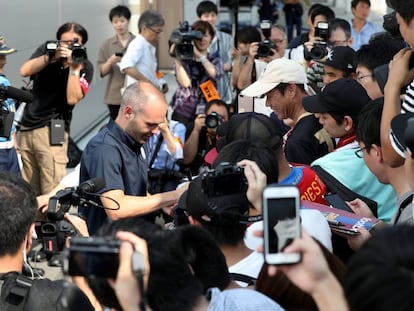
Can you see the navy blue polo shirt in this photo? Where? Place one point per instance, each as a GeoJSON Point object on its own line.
{"type": "Point", "coordinates": [117, 158]}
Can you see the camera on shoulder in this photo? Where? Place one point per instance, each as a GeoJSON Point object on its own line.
{"type": "Point", "coordinates": [183, 37]}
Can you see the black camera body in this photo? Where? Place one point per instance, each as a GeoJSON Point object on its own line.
{"type": "Point", "coordinates": [78, 50]}
{"type": "Point", "coordinates": [320, 49]}
{"type": "Point", "coordinates": [226, 179]}
{"type": "Point", "coordinates": [265, 46]}
{"type": "Point", "coordinates": [213, 120]}
{"type": "Point", "coordinates": [183, 37]}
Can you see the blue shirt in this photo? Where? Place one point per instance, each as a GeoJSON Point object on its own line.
{"type": "Point", "coordinates": [114, 156]}
{"type": "Point", "coordinates": [164, 159]}
{"type": "Point", "coordinates": [362, 37]}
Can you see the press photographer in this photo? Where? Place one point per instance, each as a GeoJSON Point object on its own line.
{"type": "Point", "coordinates": [265, 48]}
{"type": "Point", "coordinates": [183, 38]}
{"type": "Point", "coordinates": [196, 76]}
{"type": "Point", "coordinates": [61, 75]}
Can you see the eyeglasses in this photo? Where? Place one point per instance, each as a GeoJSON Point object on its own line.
{"type": "Point", "coordinates": [157, 31]}
{"type": "Point", "coordinates": [338, 42]}
{"type": "Point", "coordinates": [278, 41]}
{"type": "Point", "coordinates": [360, 152]}
{"type": "Point", "coordinates": [362, 77]}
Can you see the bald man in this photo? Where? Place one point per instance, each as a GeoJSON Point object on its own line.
{"type": "Point", "coordinates": [118, 155]}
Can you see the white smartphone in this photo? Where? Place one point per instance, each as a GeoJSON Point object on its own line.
{"type": "Point", "coordinates": [281, 223]}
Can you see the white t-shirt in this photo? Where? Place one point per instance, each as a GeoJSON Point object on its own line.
{"type": "Point", "coordinates": [312, 220]}
{"type": "Point", "coordinates": [250, 266]}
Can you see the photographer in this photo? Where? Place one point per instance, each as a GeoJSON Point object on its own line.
{"type": "Point", "coordinates": [203, 134]}
{"type": "Point", "coordinates": [18, 208]}
{"type": "Point", "coordinates": [60, 81]}
{"type": "Point", "coordinates": [188, 100]}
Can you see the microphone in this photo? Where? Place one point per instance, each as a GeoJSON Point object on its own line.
{"type": "Point", "coordinates": [92, 185]}
{"type": "Point", "coordinates": [14, 93]}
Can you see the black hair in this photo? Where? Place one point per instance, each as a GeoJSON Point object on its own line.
{"type": "Point", "coordinates": [312, 7]}
{"type": "Point", "coordinates": [322, 10]}
{"type": "Point", "coordinates": [120, 10]}
{"type": "Point", "coordinates": [77, 28]}
{"type": "Point", "coordinates": [150, 18]}
{"type": "Point", "coordinates": [380, 276]}
{"type": "Point", "coordinates": [18, 208]}
{"type": "Point", "coordinates": [206, 7]}
{"type": "Point", "coordinates": [368, 128]}
{"type": "Point", "coordinates": [218, 102]}
{"type": "Point", "coordinates": [354, 3]}
{"type": "Point", "coordinates": [204, 27]}
{"type": "Point", "coordinates": [260, 153]}
{"type": "Point", "coordinates": [340, 23]}
{"type": "Point", "coordinates": [378, 52]}
{"type": "Point", "coordinates": [405, 8]}
{"type": "Point", "coordinates": [249, 34]}
{"type": "Point", "coordinates": [281, 87]}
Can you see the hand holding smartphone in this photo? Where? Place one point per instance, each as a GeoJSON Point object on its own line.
{"type": "Point", "coordinates": [281, 223]}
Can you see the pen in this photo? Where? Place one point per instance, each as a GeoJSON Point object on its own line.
{"type": "Point", "coordinates": [335, 222]}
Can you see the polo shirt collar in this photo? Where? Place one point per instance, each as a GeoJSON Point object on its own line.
{"type": "Point", "coordinates": [120, 134]}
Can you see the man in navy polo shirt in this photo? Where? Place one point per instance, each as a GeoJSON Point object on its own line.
{"type": "Point", "coordinates": [117, 154]}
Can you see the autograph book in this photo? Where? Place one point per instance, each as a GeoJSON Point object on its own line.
{"type": "Point", "coordinates": [341, 221]}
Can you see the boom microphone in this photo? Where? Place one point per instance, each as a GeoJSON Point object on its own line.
{"type": "Point", "coordinates": [92, 185]}
{"type": "Point", "coordinates": [14, 93]}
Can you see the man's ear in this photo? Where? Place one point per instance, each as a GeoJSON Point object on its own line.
{"type": "Point", "coordinates": [193, 221]}
{"type": "Point", "coordinates": [129, 112]}
{"type": "Point", "coordinates": [349, 123]}
{"type": "Point", "coordinates": [29, 239]}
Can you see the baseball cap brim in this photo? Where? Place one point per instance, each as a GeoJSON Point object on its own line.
{"type": "Point", "coordinates": [398, 127]}
{"type": "Point", "coordinates": [259, 88]}
{"type": "Point", "coordinates": [313, 104]}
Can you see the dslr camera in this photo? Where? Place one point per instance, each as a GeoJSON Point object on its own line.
{"type": "Point", "coordinates": [265, 46]}
{"type": "Point", "coordinates": [226, 179]}
{"type": "Point", "coordinates": [183, 37]}
{"type": "Point", "coordinates": [213, 120]}
{"type": "Point", "coordinates": [78, 50]}
{"type": "Point", "coordinates": [320, 49]}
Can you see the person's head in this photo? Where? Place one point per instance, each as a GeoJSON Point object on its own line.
{"type": "Point", "coordinates": [339, 63]}
{"type": "Point", "coordinates": [171, 282]}
{"type": "Point", "coordinates": [372, 55]}
{"type": "Point", "coordinates": [70, 31]}
{"type": "Point", "coordinates": [18, 208]}
{"type": "Point", "coordinates": [310, 10]}
{"type": "Point", "coordinates": [368, 136]}
{"type": "Point", "coordinates": [283, 82]}
{"type": "Point", "coordinates": [340, 32]}
{"type": "Point", "coordinates": [119, 16]}
{"type": "Point", "coordinates": [4, 51]}
{"type": "Point", "coordinates": [405, 15]}
{"type": "Point", "coordinates": [219, 107]}
{"type": "Point", "coordinates": [279, 38]}
{"type": "Point", "coordinates": [360, 9]}
{"type": "Point", "coordinates": [338, 106]}
{"type": "Point", "coordinates": [150, 26]}
{"type": "Point", "coordinates": [245, 37]}
{"type": "Point", "coordinates": [208, 34]}
{"type": "Point", "coordinates": [143, 108]}
{"type": "Point", "coordinates": [321, 13]}
{"type": "Point", "coordinates": [380, 276]}
{"type": "Point", "coordinates": [207, 11]}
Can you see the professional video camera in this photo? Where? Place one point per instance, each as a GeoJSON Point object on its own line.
{"type": "Point", "coordinates": [7, 116]}
{"type": "Point", "coordinates": [265, 46]}
{"type": "Point", "coordinates": [226, 179]}
{"type": "Point", "coordinates": [55, 231]}
{"type": "Point", "coordinates": [78, 50]}
{"type": "Point", "coordinates": [320, 49]}
{"type": "Point", "coordinates": [183, 37]}
{"type": "Point", "coordinates": [213, 120]}
{"type": "Point", "coordinates": [390, 24]}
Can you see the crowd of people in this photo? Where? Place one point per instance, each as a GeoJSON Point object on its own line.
{"type": "Point", "coordinates": [169, 194]}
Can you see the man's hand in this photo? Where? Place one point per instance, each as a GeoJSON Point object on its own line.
{"type": "Point", "coordinates": [360, 208]}
{"type": "Point", "coordinates": [199, 122]}
{"type": "Point", "coordinates": [399, 74]}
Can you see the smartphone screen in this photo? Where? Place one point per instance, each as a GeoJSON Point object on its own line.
{"type": "Point", "coordinates": [281, 223]}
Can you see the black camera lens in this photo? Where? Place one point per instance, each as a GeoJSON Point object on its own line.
{"type": "Point", "coordinates": [213, 120]}
{"type": "Point", "coordinates": [49, 228]}
{"type": "Point", "coordinates": [319, 51]}
{"type": "Point", "coordinates": [265, 48]}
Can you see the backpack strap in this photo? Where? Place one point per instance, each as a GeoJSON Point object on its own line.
{"type": "Point", "coordinates": [335, 186]}
{"type": "Point", "coordinates": [243, 278]}
{"type": "Point", "coordinates": [18, 294]}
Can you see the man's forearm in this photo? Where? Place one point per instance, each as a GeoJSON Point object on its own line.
{"type": "Point", "coordinates": [136, 74]}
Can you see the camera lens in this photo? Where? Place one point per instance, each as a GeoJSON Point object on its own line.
{"type": "Point", "coordinates": [318, 51]}
{"type": "Point", "coordinates": [212, 120]}
{"type": "Point", "coordinates": [49, 228]}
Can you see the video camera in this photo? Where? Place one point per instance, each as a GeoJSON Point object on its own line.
{"type": "Point", "coordinates": [320, 49]}
{"type": "Point", "coordinates": [265, 46]}
{"type": "Point", "coordinates": [55, 231]}
{"type": "Point", "coordinates": [213, 120]}
{"type": "Point", "coordinates": [183, 37]}
{"type": "Point", "coordinates": [390, 24]}
{"type": "Point", "coordinates": [78, 50]}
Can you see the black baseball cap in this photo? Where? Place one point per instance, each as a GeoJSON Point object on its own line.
{"type": "Point", "coordinates": [344, 96]}
{"type": "Point", "coordinates": [341, 57]}
{"type": "Point", "coordinates": [402, 131]}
